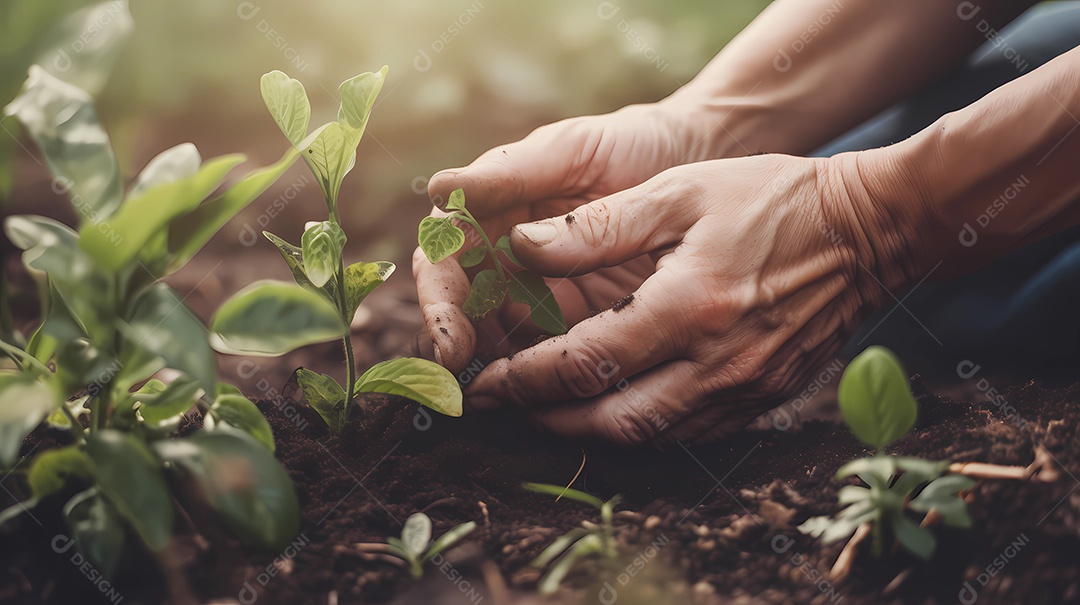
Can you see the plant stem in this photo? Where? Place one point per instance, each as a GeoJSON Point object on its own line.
{"type": "Point", "coordinates": [467, 216]}
{"type": "Point", "coordinates": [76, 426]}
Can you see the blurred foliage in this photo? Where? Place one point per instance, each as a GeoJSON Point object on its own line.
{"type": "Point", "coordinates": [464, 74]}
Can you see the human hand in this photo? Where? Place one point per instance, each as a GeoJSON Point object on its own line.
{"type": "Point", "coordinates": [763, 267]}
{"type": "Point", "coordinates": [552, 171]}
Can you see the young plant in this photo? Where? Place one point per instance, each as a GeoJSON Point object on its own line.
{"type": "Point", "coordinates": [415, 546]}
{"type": "Point", "coordinates": [108, 325]}
{"type": "Point", "coordinates": [439, 238]}
{"type": "Point", "coordinates": [585, 541]}
{"type": "Point", "coordinates": [272, 318]}
{"type": "Point", "coordinates": [878, 407]}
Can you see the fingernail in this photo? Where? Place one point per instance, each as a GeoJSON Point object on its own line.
{"type": "Point", "coordinates": [438, 353]}
{"type": "Point", "coordinates": [448, 172]}
{"type": "Point", "coordinates": [539, 234]}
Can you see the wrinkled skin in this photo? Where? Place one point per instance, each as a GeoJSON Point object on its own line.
{"type": "Point", "coordinates": [741, 270]}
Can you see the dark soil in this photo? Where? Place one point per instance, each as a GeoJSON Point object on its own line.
{"type": "Point", "coordinates": [714, 524]}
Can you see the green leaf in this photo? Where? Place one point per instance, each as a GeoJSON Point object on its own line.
{"type": "Point", "coordinates": [560, 491]}
{"type": "Point", "coordinates": [503, 244]}
{"type": "Point", "coordinates": [473, 257]}
{"type": "Point", "coordinates": [439, 237]}
{"type": "Point", "coordinates": [487, 294]}
{"type": "Point", "coordinates": [416, 534]}
{"type": "Point", "coordinates": [161, 324]}
{"type": "Point", "coordinates": [271, 318]}
{"type": "Point", "coordinates": [325, 395]}
{"type": "Point", "coordinates": [879, 469]}
{"type": "Point", "coordinates": [294, 258]}
{"type": "Point", "coordinates": [189, 233]}
{"type": "Point", "coordinates": [449, 539]}
{"type": "Point", "coordinates": [51, 469]}
{"type": "Point", "coordinates": [361, 279]}
{"type": "Point", "coordinates": [358, 97]}
{"type": "Point", "coordinates": [875, 399]}
{"type": "Point", "coordinates": [236, 412]}
{"type": "Point", "coordinates": [82, 47]}
{"type": "Point", "coordinates": [589, 545]}
{"type": "Point", "coordinates": [329, 152]}
{"type": "Point", "coordinates": [242, 482]}
{"type": "Point", "coordinates": [61, 119]}
{"type": "Point", "coordinates": [130, 477]}
{"type": "Point", "coordinates": [321, 248]}
{"type": "Point", "coordinates": [420, 380]}
{"type": "Point", "coordinates": [97, 529]}
{"type": "Point", "coordinates": [115, 242]}
{"type": "Point", "coordinates": [288, 104]}
{"type": "Point", "coordinates": [24, 403]}
{"type": "Point", "coordinates": [530, 288]}
{"type": "Point", "coordinates": [917, 540]}
{"type": "Point", "coordinates": [456, 201]}
{"type": "Point", "coordinates": [557, 547]}
{"type": "Point", "coordinates": [850, 494]}
{"type": "Point", "coordinates": [159, 403]}
{"type": "Point", "coordinates": [53, 248]}
{"type": "Point", "coordinates": [169, 166]}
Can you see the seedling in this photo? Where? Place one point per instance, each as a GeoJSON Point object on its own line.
{"type": "Point", "coordinates": [108, 325]}
{"type": "Point", "coordinates": [585, 541]}
{"type": "Point", "coordinates": [415, 546]}
{"type": "Point", "coordinates": [878, 407]}
{"type": "Point", "coordinates": [439, 238]}
{"type": "Point", "coordinates": [272, 318]}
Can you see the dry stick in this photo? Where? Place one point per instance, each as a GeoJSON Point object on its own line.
{"type": "Point", "coordinates": [576, 475]}
{"type": "Point", "coordinates": [842, 567]}
{"type": "Point", "coordinates": [1041, 469]}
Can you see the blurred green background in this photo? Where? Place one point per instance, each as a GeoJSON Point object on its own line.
{"type": "Point", "coordinates": [465, 75]}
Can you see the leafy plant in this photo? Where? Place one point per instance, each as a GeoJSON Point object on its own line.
{"type": "Point", "coordinates": [588, 540]}
{"type": "Point", "coordinates": [272, 318]}
{"type": "Point", "coordinates": [439, 238]}
{"type": "Point", "coordinates": [108, 324]}
{"type": "Point", "coordinates": [878, 407]}
{"type": "Point", "coordinates": [415, 546]}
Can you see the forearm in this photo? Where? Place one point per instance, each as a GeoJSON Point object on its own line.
{"type": "Point", "coordinates": [806, 71]}
{"type": "Point", "coordinates": [979, 182]}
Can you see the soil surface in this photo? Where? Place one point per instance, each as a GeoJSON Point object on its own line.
{"type": "Point", "coordinates": [709, 525]}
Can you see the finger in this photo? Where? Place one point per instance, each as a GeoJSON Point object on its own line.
{"type": "Point", "coordinates": [611, 230]}
{"type": "Point", "coordinates": [637, 411]}
{"type": "Point", "coordinates": [594, 354]}
{"type": "Point", "coordinates": [540, 166]}
{"type": "Point", "coordinates": [442, 288]}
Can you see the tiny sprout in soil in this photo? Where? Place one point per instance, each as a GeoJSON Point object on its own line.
{"type": "Point", "coordinates": [273, 318]}
{"type": "Point", "coordinates": [415, 546]}
{"type": "Point", "coordinates": [588, 540]}
{"type": "Point", "coordinates": [440, 238]}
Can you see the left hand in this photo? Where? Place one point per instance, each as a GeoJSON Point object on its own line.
{"type": "Point", "coordinates": [758, 278]}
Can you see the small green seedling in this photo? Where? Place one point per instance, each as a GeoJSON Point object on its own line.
{"type": "Point", "coordinates": [415, 546]}
{"type": "Point", "coordinates": [272, 318]}
{"type": "Point", "coordinates": [439, 238]}
{"type": "Point", "coordinates": [585, 541]}
{"type": "Point", "coordinates": [878, 407]}
{"type": "Point", "coordinates": [108, 325]}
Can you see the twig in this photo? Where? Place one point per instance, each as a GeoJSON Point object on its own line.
{"type": "Point", "coordinates": [842, 567]}
{"type": "Point", "coordinates": [1041, 469]}
{"type": "Point", "coordinates": [576, 475]}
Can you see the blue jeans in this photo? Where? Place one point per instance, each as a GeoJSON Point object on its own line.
{"type": "Point", "coordinates": [1021, 312]}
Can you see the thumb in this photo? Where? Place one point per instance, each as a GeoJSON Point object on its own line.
{"type": "Point", "coordinates": [540, 166]}
{"type": "Point", "coordinates": [611, 230]}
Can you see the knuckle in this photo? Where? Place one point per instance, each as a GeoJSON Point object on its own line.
{"type": "Point", "coordinates": [586, 372]}
{"type": "Point", "coordinates": [596, 230]}
{"type": "Point", "coordinates": [628, 426]}
{"type": "Point", "coordinates": [419, 260]}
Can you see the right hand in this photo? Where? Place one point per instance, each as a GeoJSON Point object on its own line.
{"type": "Point", "coordinates": [550, 172]}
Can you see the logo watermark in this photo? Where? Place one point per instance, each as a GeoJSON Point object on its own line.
{"type": "Point", "coordinates": [608, 11]}
{"type": "Point", "coordinates": [968, 593]}
{"type": "Point", "coordinates": [967, 11]}
{"type": "Point", "coordinates": [249, 236]}
{"type": "Point", "coordinates": [423, 61]}
{"type": "Point", "coordinates": [608, 593]}
{"type": "Point", "coordinates": [782, 420]}
{"type": "Point", "coordinates": [247, 11]}
{"type": "Point", "coordinates": [781, 544]}
{"type": "Point", "coordinates": [784, 59]}
{"type": "Point", "coordinates": [61, 544]}
{"type": "Point", "coordinates": [248, 593]}
{"type": "Point", "coordinates": [968, 235]}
